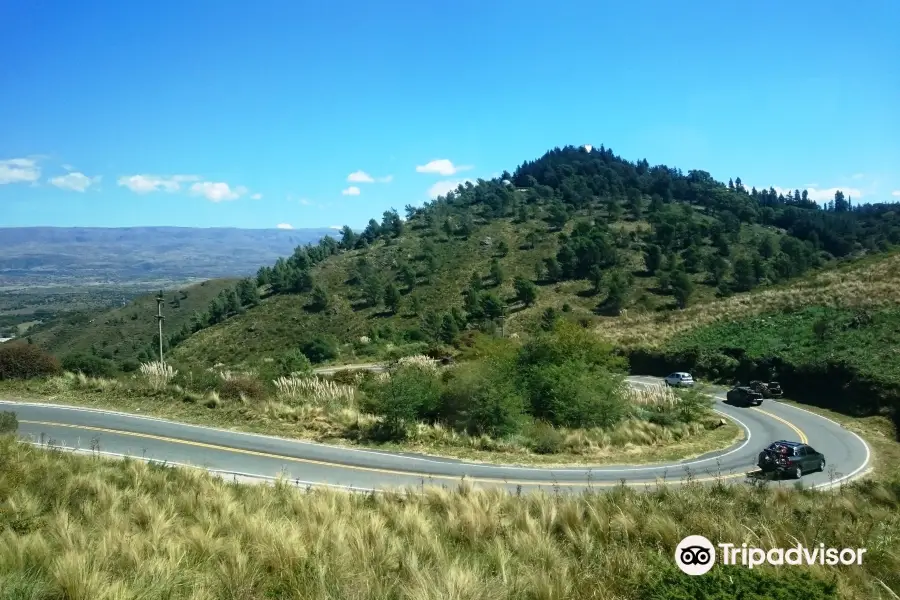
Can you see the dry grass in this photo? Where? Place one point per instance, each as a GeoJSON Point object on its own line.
{"type": "Point", "coordinates": [873, 284]}
{"type": "Point", "coordinates": [85, 528]}
{"type": "Point", "coordinates": [158, 374]}
{"type": "Point", "coordinates": [314, 390]}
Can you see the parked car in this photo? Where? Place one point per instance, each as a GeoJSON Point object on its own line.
{"type": "Point", "coordinates": [679, 379]}
{"type": "Point", "coordinates": [744, 395]}
{"type": "Point", "coordinates": [769, 389]}
{"type": "Point", "coordinates": [791, 458]}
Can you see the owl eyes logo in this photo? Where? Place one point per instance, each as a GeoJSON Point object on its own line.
{"type": "Point", "coordinates": [695, 555]}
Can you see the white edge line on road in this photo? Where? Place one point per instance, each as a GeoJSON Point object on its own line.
{"type": "Point", "coordinates": [402, 456]}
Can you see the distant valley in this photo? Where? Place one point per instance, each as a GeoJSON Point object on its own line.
{"type": "Point", "coordinates": [139, 256]}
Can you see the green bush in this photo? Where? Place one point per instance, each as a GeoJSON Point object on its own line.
{"type": "Point", "coordinates": [574, 394]}
{"type": "Point", "coordinates": [130, 365]}
{"type": "Point", "coordinates": [482, 398]}
{"type": "Point", "coordinates": [319, 349]}
{"type": "Point", "coordinates": [25, 361]}
{"type": "Point", "coordinates": [292, 361]}
{"type": "Point", "coordinates": [8, 422]}
{"type": "Point", "coordinates": [726, 583]}
{"type": "Point", "coordinates": [92, 366]}
{"type": "Point", "coordinates": [408, 395]}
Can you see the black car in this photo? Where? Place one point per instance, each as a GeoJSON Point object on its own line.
{"type": "Point", "coordinates": [792, 458]}
{"type": "Point", "coordinates": [769, 389]}
{"type": "Point", "coordinates": [744, 395]}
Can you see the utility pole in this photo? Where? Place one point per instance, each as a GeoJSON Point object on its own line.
{"type": "Point", "coordinates": [159, 321]}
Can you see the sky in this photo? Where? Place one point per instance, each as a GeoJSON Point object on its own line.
{"type": "Point", "coordinates": [317, 114]}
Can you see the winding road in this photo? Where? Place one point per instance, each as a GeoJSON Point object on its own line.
{"type": "Point", "coordinates": [251, 457]}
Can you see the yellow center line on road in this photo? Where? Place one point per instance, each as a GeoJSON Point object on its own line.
{"type": "Point", "coordinates": [369, 469]}
{"type": "Point", "coordinates": [803, 438]}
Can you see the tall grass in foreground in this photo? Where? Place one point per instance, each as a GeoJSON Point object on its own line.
{"type": "Point", "coordinates": [158, 374]}
{"type": "Point", "coordinates": [87, 528]}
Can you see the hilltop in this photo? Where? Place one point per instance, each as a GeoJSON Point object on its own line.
{"type": "Point", "coordinates": [160, 256]}
{"type": "Point", "coordinates": [577, 233]}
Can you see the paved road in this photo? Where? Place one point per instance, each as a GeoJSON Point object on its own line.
{"type": "Point", "coordinates": [306, 463]}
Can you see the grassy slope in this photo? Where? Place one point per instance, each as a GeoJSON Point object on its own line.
{"type": "Point", "coordinates": [85, 528]}
{"type": "Point", "coordinates": [124, 332]}
{"type": "Point", "coordinates": [872, 282]}
{"type": "Point", "coordinates": [280, 322]}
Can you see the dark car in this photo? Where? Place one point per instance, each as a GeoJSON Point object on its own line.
{"type": "Point", "coordinates": [791, 458]}
{"type": "Point", "coordinates": [769, 389]}
{"type": "Point", "coordinates": [744, 395]}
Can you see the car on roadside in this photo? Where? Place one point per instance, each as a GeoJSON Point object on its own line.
{"type": "Point", "coordinates": [769, 389]}
{"type": "Point", "coordinates": [744, 395]}
{"type": "Point", "coordinates": [790, 458]}
{"type": "Point", "coordinates": [679, 379]}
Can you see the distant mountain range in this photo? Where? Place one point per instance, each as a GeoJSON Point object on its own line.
{"type": "Point", "coordinates": [41, 256]}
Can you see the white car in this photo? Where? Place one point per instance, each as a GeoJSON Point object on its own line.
{"type": "Point", "coordinates": [679, 379]}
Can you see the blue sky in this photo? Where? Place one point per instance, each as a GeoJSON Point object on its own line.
{"type": "Point", "coordinates": [256, 114]}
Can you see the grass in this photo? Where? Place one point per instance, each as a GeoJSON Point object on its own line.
{"type": "Point", "coordinates": [90, 528]}
{"type": "Point", "coordinates": [323, 411]}
{"type": "Point", "coordinates": [871, 283]}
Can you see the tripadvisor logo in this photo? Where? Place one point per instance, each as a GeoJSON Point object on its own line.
{"type": "Point", "coordinates": [696, 555]}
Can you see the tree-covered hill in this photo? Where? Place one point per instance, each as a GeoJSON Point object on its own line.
{"type": "Point", "coordinates": [576, 232]}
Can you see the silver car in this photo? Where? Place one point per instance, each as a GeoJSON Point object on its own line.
{"type": "Point", "coordinates": [679, 379]}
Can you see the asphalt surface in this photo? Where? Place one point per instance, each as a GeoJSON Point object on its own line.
{"type": "Point", "coordinates": [244, 455]}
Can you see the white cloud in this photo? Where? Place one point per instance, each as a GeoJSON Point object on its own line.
{"type": "Point", "coordinates": [360, 177]}
{"type": "Point", "coordinates": [19, 170]}
{"type": "Point", "coordinates": [337, 227]}
{"type": "Point", "coordinates": [351, 191]}
{"type": "Point", "coordinates": [68, 167]}
{"type": "Point", "coordinates": [284, 226]}
{"type": "Point", "coordinates": [144, 184]}
{"type": "Point", "coordinates": [828, 194]}
{"type": "Point", "coordinates": [363, 177]}
{"type": "Point", "coordinates": [217, 191]}
{"type": "Point", "coordinates": [859, 175]}
{"type": "Point", "coordinates": [442, 166]}
{"type": "Point", "coordinates": [442, 187]}
{"type": "Point", "coordinates": [588, 147]}
{"type": "Point", "coordinates": [256, 197]}
{"type": "Point", "coordinates": [896, 193]}
{"type": "Point", "coordinates": [304, 202]}
{"type": "Point", "coordinates": [76, 182]}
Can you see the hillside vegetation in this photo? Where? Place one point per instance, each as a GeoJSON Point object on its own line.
{"type": "Point", "coordinates": [127, 333]}
{"type": "Point", "coordinates": [83, 527]}
{"type": "Point", "coordinates": [583, 234]}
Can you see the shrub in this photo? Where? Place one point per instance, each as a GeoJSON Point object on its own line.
{"type": "Point", "coordinates": [345, 377]}
{"type": "Point", "coordinates": [8, 422]}
{"type": "Point", "coordinates": [543, 438]}
{"type": "Point", "coordinates": [292, 362]}
{"type": "Point", "coordinates": [130, 365]}
{"type": "Point", "coordinates": [239, 387]}
{"type": "Point", "coordinates": [92, 366]}
{"type": "Point", "coordinates": [482, 398]}
{"type": "Point", "coordinates": [667, 582]}
{"type": "Point", "coordinates": [408, 394]}
{"type": "Point", "coordinates": [25, 361]}
{"type": "Point", "coordinates": [319, 349]}
{"type": "Point", "coordinates": [574, 394]}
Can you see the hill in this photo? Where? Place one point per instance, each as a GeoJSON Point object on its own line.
{"type": "Point", "coordinates": [127, 332]}
{"type": "Point", "coordinates": [160, 256]}
{"type": "Point", "coordinates": [585, 234]}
